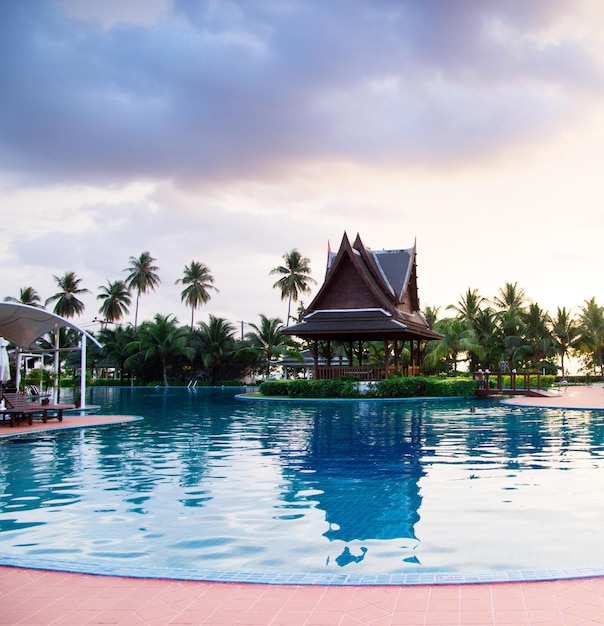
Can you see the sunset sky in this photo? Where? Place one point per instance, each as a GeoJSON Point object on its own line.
{"type": "Point", "coordinates": [229, 132]}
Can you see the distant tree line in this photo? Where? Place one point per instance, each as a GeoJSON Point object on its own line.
{"type": "Point", "coordinates": [161, 350]}
{"type": "Point", "coordinates": [508, 330]}
{"type": "Point", "coordinates": [511, 331]}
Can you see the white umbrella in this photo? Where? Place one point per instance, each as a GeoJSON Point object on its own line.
{"type": "Point", "coordinates": [4, 366]}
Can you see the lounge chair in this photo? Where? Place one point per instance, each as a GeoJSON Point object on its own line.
{"type": "Point", "coordinates": [18, 406]}
{"type": "Point", "coordinates": [34, 391]}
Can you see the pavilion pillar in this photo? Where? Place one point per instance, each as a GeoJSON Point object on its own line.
{"type": "Point", "coordinates": [56, 367]}
{"type": "Point", "coordinates": [83, 372]}
{"type": "Point", "coordinates": [386, 357]}
{"type": "Point", "coordinates": [315, 356]}
{"type": "Point", "coordinates": [18, 370]}
{"type": "Point", "coordinates": [411, 358]}
{"type": "Point", "coordinates": [415, 355]}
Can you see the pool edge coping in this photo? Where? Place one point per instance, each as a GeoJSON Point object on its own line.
{"type": "Point", "coordinates": [439, 578]}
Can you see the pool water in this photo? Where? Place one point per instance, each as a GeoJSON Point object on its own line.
{"type": "Point", "coordinates": [209, 482]}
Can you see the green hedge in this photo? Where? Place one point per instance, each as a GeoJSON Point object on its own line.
{"type": "Point", "coordinates": [425, 386]}
{"type": "Point", "coordinates": [344, 387]}
{"type": "Point", "coordinates": [274, 388]}
{"type": "Point", "coordinates": [347, 387]}
{"type": "Point", "coordinates": [394, 387]}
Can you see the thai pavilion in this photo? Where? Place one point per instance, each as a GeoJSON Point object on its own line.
{"type": "Point", "coordinates": [367, 296]}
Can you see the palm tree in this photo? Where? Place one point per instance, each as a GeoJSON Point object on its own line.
{"type": "Point", "coordinates": [510, 302]}
{"type": "Point", "coordinates": [218, 344]}
{"type": "Point", "coordinates": [199, 280]}
{"type": "Point", "coordinates": [488, 336]}
{"type": "Point", "coordinates": [267, 340]}
{"type": "Point", "coordinates": [27, 295]}
{"type": "Point", "coordinates": [591, 332]}
{"type": "Point", "coordinates": [468, 306]}
{"type": "Point", "coordinates": [457, 340]}
{"type": "Point", "coordinates": [537, 334]}
{"type": "Point", "coordinates": [565, 333]}
{"type": "Point", "coordinates": [295, 278]}
{"type": "Point", "coordinates": [116, 300]}
{"type": "Point", "coordinates": [142, 277]}
{"type": "Point", "coordinates": [67, 305]}
{"type": "Point", "coordinates": [431, 314]}
{"type": "Point", "coordinates": [162, 338]}
{"type": "Point", "coordinates": [116, 344]}
{"type": "Point", "coordinates": [510, 297]}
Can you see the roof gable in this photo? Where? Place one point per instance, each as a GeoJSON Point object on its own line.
{"type": "Point", "coordinates": [366, 294]}
{"type": "Point", "coordinates": [350, 283]}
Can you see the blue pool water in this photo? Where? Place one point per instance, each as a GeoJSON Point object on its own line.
{"type": "Point", "coordinates": [208, 483]}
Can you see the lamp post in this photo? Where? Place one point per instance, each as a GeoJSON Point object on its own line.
{"type": "Point", "coordinates": [103, 323]}
{"type": "Point", "coordinates": [242, 324]}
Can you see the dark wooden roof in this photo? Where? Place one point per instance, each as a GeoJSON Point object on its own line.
{"type": "Point", "coordinates": [366, 294]}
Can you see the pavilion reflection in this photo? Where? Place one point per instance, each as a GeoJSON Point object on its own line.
{"type": "Point", "coordinates": [363, 468]}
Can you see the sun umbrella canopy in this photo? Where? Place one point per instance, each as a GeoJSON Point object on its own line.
{"type": "Point", "coordinates": [24, 325]}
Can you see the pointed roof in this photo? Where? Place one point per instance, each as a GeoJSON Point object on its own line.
{"type": "Point", "coordinates": [366, 293]}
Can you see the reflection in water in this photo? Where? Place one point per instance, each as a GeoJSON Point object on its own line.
{"type": "Point", "coordinates": [207, 481]}
{"type": "Point", "coordinates": [346, 558]}
{"type": "Point", "coordinates": [366, 467]}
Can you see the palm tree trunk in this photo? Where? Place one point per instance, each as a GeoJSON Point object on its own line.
{"type": "Point", "coordinates": [165, 371]}
{"type": "Point", "coordinates": [138, 295]}
{"type": "Point", "coordinates": [289, 306]}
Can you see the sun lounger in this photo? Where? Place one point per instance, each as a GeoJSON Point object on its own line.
{"type": "Point", "coordinates": [17, 408]}
{"type": "Point", "coordinates": [18, 405]}
{"type": "Point", "coordinates": [34, 392]}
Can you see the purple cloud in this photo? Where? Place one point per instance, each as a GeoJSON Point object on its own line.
{"type": "Point", "coordinates": [237, 89]}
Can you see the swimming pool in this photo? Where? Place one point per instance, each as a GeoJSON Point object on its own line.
{"type": "Point", "coordinates": [212, 487]}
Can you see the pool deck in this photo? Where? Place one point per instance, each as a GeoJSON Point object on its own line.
{"type": "Point", "coordinates": [31, 597]}
{"type": "Point", "coordinates": [70, 422]}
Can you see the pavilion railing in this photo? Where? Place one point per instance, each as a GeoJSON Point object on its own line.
{"type": "Point", "coordinates": [365, 372]}
{"type": "Point", "coordinates": [370, 372]}
{"type": "Point", "coordinates": [517, 381]}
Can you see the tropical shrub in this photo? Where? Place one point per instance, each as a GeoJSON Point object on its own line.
{"type": "Point", "coordinates": [348, 387]}
{"type": "Point", "coordinates": [425, 386]}
{"type": "Point", "coordinates": [274, 388]}
{"type": "Point", "coordinates": [344, 387]}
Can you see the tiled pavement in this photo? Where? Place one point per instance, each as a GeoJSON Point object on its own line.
{"type": "Point", "coordinates": [31, 597]}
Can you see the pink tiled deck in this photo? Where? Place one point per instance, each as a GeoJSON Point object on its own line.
{"type": "Point", "coordinates": [580, 397]}
{"type": "Point", "coordinates": [69, 421]}
{"type": "Point", "coordinates": [31, 597]}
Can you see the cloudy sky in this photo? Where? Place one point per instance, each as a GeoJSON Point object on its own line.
{"type": "Point", "coordinates": [230, 132]}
